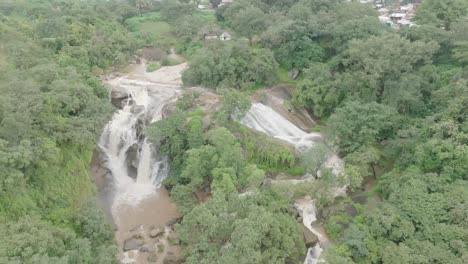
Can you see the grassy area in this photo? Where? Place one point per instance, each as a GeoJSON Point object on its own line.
{"type": "Point", "coordinates": [153, 67]}
{"type": "Point", "coordinates": [152, 27]}
{"type": "Point", "coordinates": [169, 61]}
{"type": "Point", "coordinates": [207, 16]}
{"type": "Point", "coordinates": [285, 80]}
{"type": "Point", "coordinates": [158, 28]}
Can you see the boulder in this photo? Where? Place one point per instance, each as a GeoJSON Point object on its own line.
{"type": "Point", "coordinates": [137, 228]}
{"type": "Point", "coordinates": [138, 235]}
{"type": "Point", "coordinates": [132, 244]}
{"type": "Point", "coordinates": [360, 198]}
{"type": "Point", "coordinates": [146, 248]}
{"type": "Point", "coordinates": [119, 93]}
{"type": "Point", "coordinates": [299, 219]}
{"type": "Point", "coordinates": [266, 183]}
{"type": "Point", "coordinates": [156, 232]}
{"type": "Point", "coordinates": [153, 257]}
{"type": "Point", "coordinates": [351, 210]}
{"type": "Point", "coordinates": [310, 238]}
{"type": "Point", "coordinates": [173, 239]}
{"type": "Point", "coordinates": [169, 109]}
{"type": "Point", "coordinates": [206, 122]}
{"type": "Point", "coordinates": [137, 109]}
{"type": "Point", "coordinates": [127, 101]}
{"type": "Point", "coordinates": [171, 260]}
{"type": "Point", "coordinates": [172, 222]}
{"type": "Point", "coordinates": [132, 158]}
{"type": "Point", "coordinates": [293, 74]}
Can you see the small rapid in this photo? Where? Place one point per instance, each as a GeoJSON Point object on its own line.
{"type": "Point", "coordinates": [264, 119]}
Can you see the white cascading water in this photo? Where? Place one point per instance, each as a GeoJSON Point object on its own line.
{"type": "Point", "coordinates": [264, 119]}
{"type": "Point", "coordinates": [121, 134]}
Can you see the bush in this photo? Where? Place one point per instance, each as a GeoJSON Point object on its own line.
{"type": "Point", "coordinates": [169, 62]}
{"type": "Point", "coordinates": [152, 67]}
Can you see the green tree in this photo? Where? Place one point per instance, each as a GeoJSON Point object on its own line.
{"type": "Point", "coordinates": [356, 125]}
{"type": "Point", "coordinates": [318, 91]}
{"type": "Point", "coordinates": [171, 11]}
{"type": "Point", "coordinates": [315, 158]}
{"type": "Point", "coordinates": [236, 66]}
{"type": "Point", "coordinates": [384, 69]}
{"type": "Point", "coordinates": [442, 13]}
{"type": "Point", "coordinates": [236, 230]}
{"type": "Point", "coordinates": [234, 105]}
{"type": "Point", "coordinates": [249, 22]}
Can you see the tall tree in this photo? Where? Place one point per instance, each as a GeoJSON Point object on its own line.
{"type": "Point", "coordinates": [442, 13]}
{"type": "Point", "coordinates": [374, 69]}
{"type": "Point", "coordinates": [356, 125]}
{"type": "Point", "coordinates": [239, 230]}
{"type": "Point", "coordinates": [249, 22]}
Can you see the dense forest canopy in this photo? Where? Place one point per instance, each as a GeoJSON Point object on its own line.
{"type": "Point", "coordinates": [394, 103]}
{"type": "Point", "coordinates": [53, 107]}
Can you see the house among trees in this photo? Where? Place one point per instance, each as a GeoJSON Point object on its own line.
{"type": "Point", "coordinates": [396, 15]}
{"type": "Point", "coordinates": [225, 36]}
{"type": "Point", "coordinates": [226, 2]}
{"type": "Point", "coordinates": [211, 36]}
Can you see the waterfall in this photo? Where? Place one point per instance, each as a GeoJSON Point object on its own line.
{"type": "Point", "coordinates": [125, 148]}
{"type": "Point", "coordinates": [264, 119]}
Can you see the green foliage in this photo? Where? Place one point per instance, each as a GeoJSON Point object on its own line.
{"type": "Point", "coordinates": [236, 66]}
{"type": "Point", "coordinates": [419, 220]}
{"type": "Point", "coordinates": [248, 22]}
{"type": "Point", "coordinates": [318, 90]}
{"type": "Point", "coordinates": [168, 61]}
{"type": "Point", "coordinates": [152, 67]}
{"type": "Point", "coordinates": [51, 111]}
{"type": "Point", "coordinates": [172, 11]}
{"type": "Point", "coordinates": [31, 240]}
{"type": "Point", "coordinates": [187, 101]}
{"type": "Point", "coordinates": [267, 153]}
{"type": "Point", "coordinates": [170, 135]}
{"type": "Point", "coordinates": [234, 105]}
{"type": "Point", "coordinates": [314, 158]}
{"type": "Point", "coordinates": [357, 124]}
{"type": "Point", "coordinates": [388, 77]}
{"type": "Point", "coordinates": [240, 230]}
{"type": "Point", "coordinates": [195, 133]}
{"type": "Point", "coordinates": [442, 13]}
